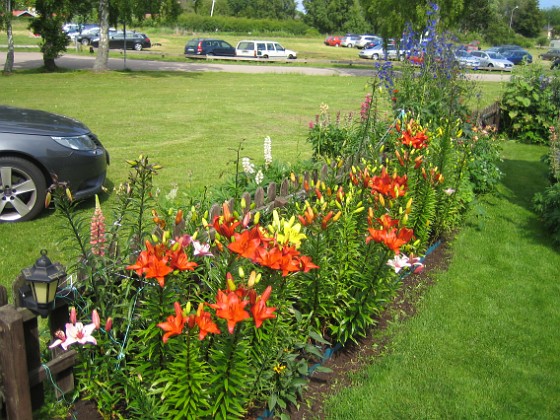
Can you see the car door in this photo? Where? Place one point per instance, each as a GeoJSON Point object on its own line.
{"type": "Point", "coordinates": [280, 50]}
{"type": "Point", "coordinates": [261, 49]}
{"type": "Point", "coordinates": [271, 49]}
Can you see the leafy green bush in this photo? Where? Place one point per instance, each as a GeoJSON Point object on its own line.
{"type": "Point", "coordinates": [547, 206]}
{"type": "Point", "coordinates": [198, 23]}
{"type": "Point", "coordinates": [530, 104]}
{"type": "Point", "coordinates": [485, 156]}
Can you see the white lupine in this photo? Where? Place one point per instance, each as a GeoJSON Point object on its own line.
{"type": "Point", "coordinates": [259, 177]}
{"type": "Point", "coordinates": [267, 151]}
{"type": "Point", "coordinates": [248, 167]}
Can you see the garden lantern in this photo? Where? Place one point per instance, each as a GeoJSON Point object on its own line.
{"type": "Point", "coordinates": [42, 282]}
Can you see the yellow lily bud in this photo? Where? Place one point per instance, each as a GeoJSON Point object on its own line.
{"type": "Point", "coordinates": [409, 204]}
{"type": "Point", "coordinates": [337, 216]}
{"type": "Point", "coordinates": [241, 272]}
{"type": "Point", "coordinates": [231, 284]}
{"type": "Point", "coordinates": [188, 308]}
{"type": "Point", "coordinates": [195, 235]}
{"type": "Point", "coordinates": [243, 203]}
{"type": "Point", "coordinates": [257, 218]}
{"type": "Point", "coordinates": [155, 239]}
{"type": "Point", "coordinates": [359, 210]}
{"type": "Point", "coordinates": [382, 200]}
{"type": "Point", "coordinates": [69, 194]}
{"type": "Point", "coordinates": [204, 222]}
{"type": "Point", "coordinates": [252, 278]}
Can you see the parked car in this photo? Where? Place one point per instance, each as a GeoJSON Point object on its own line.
{"type": "Point", "coordinates": [333, 41]}
{"type": "Point", "coordinates": [36, 146]}
{"type": "Point", "coordinates": [263, 49]}
{"type": "Point", "coordinates": [209, 46]}
{"type": "Point", "coordinates": [377, 51]}
{"type": "Point", "coordinates": [364, 39]}
{"type": "Point", "coordinates": [349, 40]}
{"type": "Point", "coordinates": [87, 35]}
{"type": "Point", "coordinates": [517, 56]}
{"type": "Point", "coordinates": [551, 54]}
{"type": "Point", "coordinates": [466, 59]}
{"type": "Point", "coordinates": [492, 59]}
{"type": "Point", "coordinates": [132, 40]}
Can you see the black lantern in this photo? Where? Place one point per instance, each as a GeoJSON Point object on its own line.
{"type": "Point", "coordinates": [42, 282]}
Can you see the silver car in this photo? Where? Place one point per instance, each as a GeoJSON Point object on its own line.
{"type": "Point", "coordinates": [493, 60]}
{"type": "Point", "coordinates": [377, 52]}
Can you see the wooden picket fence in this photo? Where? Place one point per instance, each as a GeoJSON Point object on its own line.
{"type": "Point", "coordinates": [489, 116]}
{"type": "Point", "coordinates": [21, 371]}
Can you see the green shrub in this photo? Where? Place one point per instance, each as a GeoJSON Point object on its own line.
{"type": "Point", "coordinates": [547, 206]}
{"type": "Point", "coordinates": [198, 23]}
{"type": "Point", "coordinates": [530, 104]}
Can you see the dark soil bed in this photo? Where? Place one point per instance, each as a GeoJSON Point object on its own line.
{"type": "Point", "coordinates": [351, 358]}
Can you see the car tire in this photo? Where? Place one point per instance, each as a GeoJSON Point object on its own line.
{"type": "Point", "coordinates": [265, 56]}
{"type": "Point", "coordinates": [23, 190]}
{"type": "Point", "coordinates": [138, 46]}
{"type": "Point", "coordinates": [291, 57]}
{"type": "Point", "coordinates": [490, 65]}
{"type": "Point", "coordinates": [85, 42]}
{"type": "Point", "coordinates": [349, 45]}
{"type": "Point", "coordinates": [375, 56]}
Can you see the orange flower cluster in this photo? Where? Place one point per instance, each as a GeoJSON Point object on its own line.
{"type": "Point", "coordinates": [389, 234]}
{"type": "Point", "coordinates": [230, 306]}
{"type": "Point", "coordinates": [413, 135]}
{"type": "Point", "coordinates": [157, 261]}
{"type": "Point", "coordinates": [263, 250]}
{"type": "Point", "coordinates": [389, 185]}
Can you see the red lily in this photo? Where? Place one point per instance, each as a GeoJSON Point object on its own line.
{"type": "Point", "coordinates": [175, 324]}
{"type": "Point", "coordinates": [230, 308]}
{"type": "Point", "coordinates": [205, 324]}
{"type": "Point", "coordinates": [260, 311]}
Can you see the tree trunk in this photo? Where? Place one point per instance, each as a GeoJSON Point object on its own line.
{"type": "Point", "coordinates": [102, 58]}
{"type": "Point", "coordinates": [9, 64]}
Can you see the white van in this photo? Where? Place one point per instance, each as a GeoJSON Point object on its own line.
{"type": "Point", "coordinates": [263, 49]}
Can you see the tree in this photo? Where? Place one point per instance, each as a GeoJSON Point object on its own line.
{"type": "Point", "coordinates": [329, 16]}
{"type": "Point", "coordinates": [263, 9]}
{"type": "Point", "coordinates": [6, 22]}
{"type": "Point", "coordinates": [52, 14]}
{"type": "Point", "coordinates": [528, 19]}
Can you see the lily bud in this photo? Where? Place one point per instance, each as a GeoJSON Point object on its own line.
{"type": "Point", "coordinates": [108, 324]}
{"type": "Point", "coordinates": [95, 320]}
{"type": "Point", "coordinates": [73, 316]}
{"type": "Point", "coordinates": [241, 272]}
{"type": "Point", "coordinates": [230, 283]}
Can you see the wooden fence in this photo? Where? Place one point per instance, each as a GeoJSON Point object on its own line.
{"type": "Point", "coordinates": [489, 116]}
{"type": "Point", "coordinates": [21, 371]}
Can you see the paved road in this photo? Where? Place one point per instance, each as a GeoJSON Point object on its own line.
{"type": "Point", "coordinates": [30, 60]}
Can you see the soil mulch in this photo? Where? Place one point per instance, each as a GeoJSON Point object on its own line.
{"type": "Point", "coordinates": [352, 358]}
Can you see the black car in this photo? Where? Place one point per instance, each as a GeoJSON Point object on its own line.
{"type": "Point", "coordinates": [551, 55]}
{"type": "Point", "coordinates": [209, 46]}
{"type": "Point", "coordinates": [132, 40]}
{"type": "Point", "coordinates": [37, 147]}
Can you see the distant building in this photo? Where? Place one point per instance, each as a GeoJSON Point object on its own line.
{"type": "Point", "coordinates": [29, 13]}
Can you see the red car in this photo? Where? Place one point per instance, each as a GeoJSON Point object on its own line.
{"type": "Point", "coordinates": [333, 41]}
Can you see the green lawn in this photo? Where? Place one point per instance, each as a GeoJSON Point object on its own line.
{"type": "Point", "coordinates": [485, 342]}
{"type": "Point", "coordinates": [191, 123]}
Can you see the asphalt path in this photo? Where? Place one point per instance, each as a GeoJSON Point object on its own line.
{"type": "Point", "coordinates": [32, 60]}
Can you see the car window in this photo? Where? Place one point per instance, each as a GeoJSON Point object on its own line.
{"type": "Point", "coordinates": [261, 46]}
{"type": "Point", "coordinates": [270, 46]}
{"type": "Point", "coordinates": [246, 46]}
{"type": "Point", "coordinates": [279, 47]}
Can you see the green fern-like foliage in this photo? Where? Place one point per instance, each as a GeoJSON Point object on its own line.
{"type": "Point", "coordinates": [423, 211]}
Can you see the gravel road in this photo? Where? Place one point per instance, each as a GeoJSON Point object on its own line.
{"type": "Point", "coordinates": [30, 60]}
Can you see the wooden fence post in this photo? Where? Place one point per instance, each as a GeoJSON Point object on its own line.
{"type": "Point", "coordinates": [14, 365]}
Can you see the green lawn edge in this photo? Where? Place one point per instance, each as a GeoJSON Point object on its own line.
{"type": "Point", "coordinates": [485, 341]}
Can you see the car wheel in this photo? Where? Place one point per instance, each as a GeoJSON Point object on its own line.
{"type": "Point", "coordinates": [210, 54]}
{"type": "Point", "coordinates": [138, 46]}
{"type": "Point", "coordinates": [23, 190]}
{"type": "Point", "coordinates": [349, 45]}
{"type": "Point", "coordinates": [375, 56]}
{"type": "Point", "coordinates": [490, 65]}
{"type": "Point", "coordinates": [265, 56]}
{"type": "Point", "coordinates": [85, 41]}
{"type": "Point", "coordinates": [291, 56]}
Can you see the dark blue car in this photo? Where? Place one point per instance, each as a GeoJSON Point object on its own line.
{"type": "Point", "coordinates": [517, 56]}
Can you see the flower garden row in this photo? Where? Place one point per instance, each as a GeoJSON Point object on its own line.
{"type": "Point", "coordinates": [199, 318]}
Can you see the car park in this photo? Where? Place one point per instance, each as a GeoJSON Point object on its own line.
{"type": "Point", "coordinates": [130, 40]}
{"type": "Point", "coordinates": [493, 60]}
{"type": "Point", "coordinates": [333, 41]}
{"type": "Point", "coordinates": [37, 148]}
{"type": "Point", "coordinates": [551, 54]}
{"type": "Point", "coordinates": [349, 40]}
{"type": "Point", "coordinates": [209, 46]}
{"type": "Point", "coordinates": [263, 49]}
